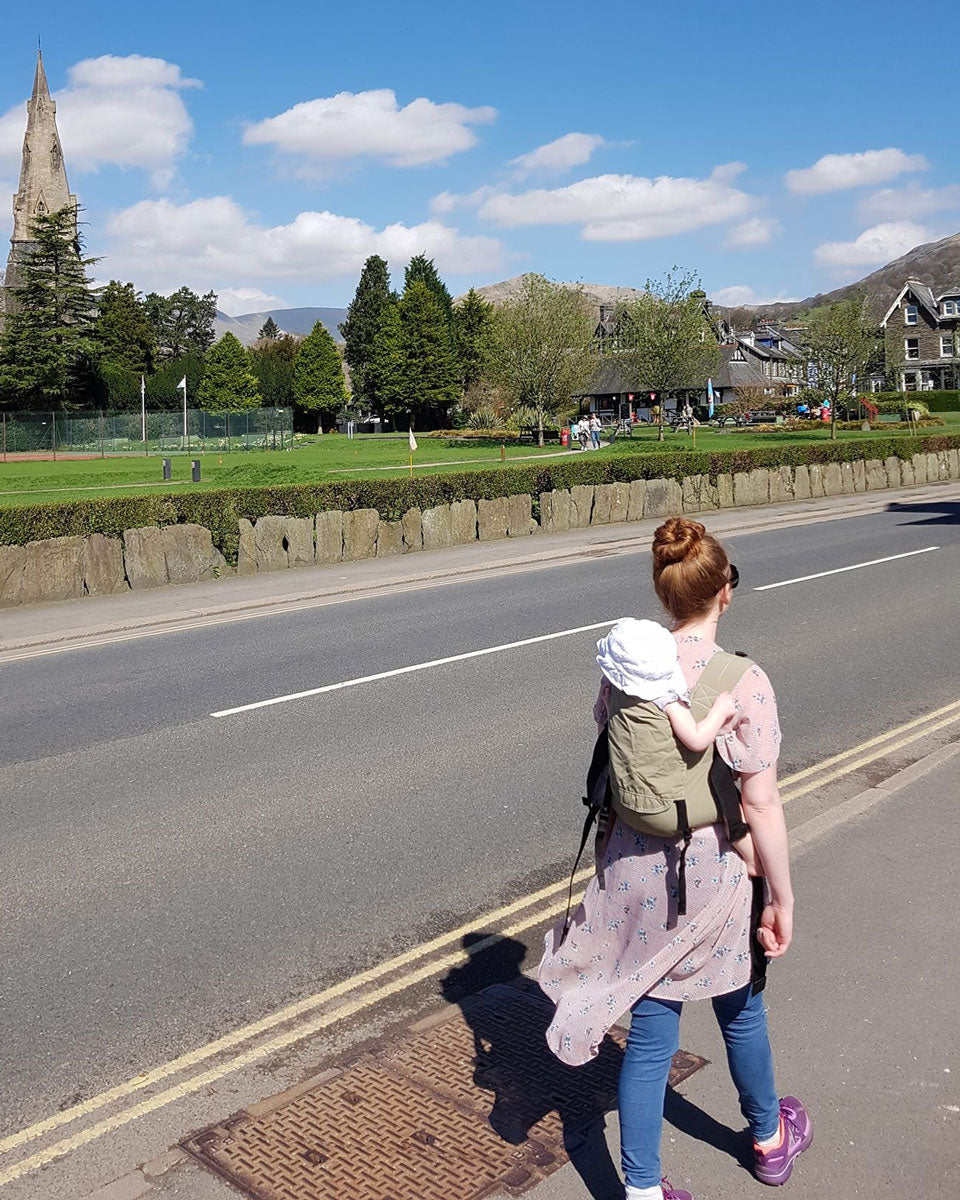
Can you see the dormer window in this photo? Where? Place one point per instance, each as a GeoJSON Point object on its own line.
{"type": "Point", "coordinates": [950, 308]}
{"type": "Point", "coordinates": [909, 314]}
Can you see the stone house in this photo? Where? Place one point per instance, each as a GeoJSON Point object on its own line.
{"type": "Point", "coordinates": [920, 332]}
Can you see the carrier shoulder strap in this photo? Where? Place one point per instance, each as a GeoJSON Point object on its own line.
{"type": "Point", "coordinates": [721, 674]}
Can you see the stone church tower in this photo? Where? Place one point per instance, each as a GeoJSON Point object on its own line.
{"type": "Point", "coordinates": [43, 180]}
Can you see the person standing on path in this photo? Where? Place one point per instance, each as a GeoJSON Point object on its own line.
{"type": "Point", "coordinates": [629, 948]}
{"type": "Point", "coordinates": [595, 428]}
{"type": "Point", "coordinates": [583, 432]}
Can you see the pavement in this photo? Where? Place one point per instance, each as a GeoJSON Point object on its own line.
{"type": "Point", "coordinates": [172, 878]}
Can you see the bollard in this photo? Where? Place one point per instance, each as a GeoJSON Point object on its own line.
{"type": "Point", "coordinates": [167, 473]}
{"type": "Point", "coordinates": [195, 463]}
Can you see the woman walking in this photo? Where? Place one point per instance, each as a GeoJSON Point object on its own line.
{"type": "Point", "coordinates": [629, 948]}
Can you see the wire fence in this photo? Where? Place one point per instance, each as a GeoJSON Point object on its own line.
{"type": "Point", "coordinates": [103, 433]}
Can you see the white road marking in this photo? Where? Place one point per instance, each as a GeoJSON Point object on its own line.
{"type": "Point", "coordinates": [839, 570]}
{"type": "Point", "coordinates": [424, 666]}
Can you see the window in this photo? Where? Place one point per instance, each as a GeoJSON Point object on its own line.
{"type": "Point", "coordinates": [946, 345]}
{"type": "Point", "coordinates": [911, 347]}
{"type": "Point", "coordinates": [950, 308]}
{"type": "Point", "coordinates": [909, 314]}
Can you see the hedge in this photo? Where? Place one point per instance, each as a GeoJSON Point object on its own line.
{"type": "Point", "coordinates": [219, 510]}
{"type": "Point", "coordinates": [941, 401]}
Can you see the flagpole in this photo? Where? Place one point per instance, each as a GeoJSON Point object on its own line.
{"type": "Point", "coordinates": [184, 407]}
{"type": "Point", "coordinates": [143, 409]}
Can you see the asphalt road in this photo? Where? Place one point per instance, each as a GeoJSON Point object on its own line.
{"type": "Point", "coordinates": [166, 875]}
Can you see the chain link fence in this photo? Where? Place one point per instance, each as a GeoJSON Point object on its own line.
{"type": "Point", "coordinates": [103, 433]}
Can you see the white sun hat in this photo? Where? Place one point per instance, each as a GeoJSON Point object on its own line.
{"type": "Point", "coordinates": [640, 658]}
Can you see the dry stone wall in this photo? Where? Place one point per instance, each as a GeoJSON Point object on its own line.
{"type": "Point", "coordinates": [67, 568]}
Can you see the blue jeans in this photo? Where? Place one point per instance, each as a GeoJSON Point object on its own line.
{"type": "Point", "coordinates": [595, 437]}
{"type": "Point", "coordinates": [651, 1044]}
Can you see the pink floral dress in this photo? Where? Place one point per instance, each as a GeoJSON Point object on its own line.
{"type": "Point", "coordinates": [626, 940]}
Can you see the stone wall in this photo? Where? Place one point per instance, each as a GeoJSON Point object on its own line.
{"type": "Point", "coordinates": [71, 567]}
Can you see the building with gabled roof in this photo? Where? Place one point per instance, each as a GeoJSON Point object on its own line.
{"type": "Point", "coordinates": [920, 335]}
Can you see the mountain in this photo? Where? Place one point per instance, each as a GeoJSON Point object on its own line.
{"type": "Point", "coordinates": [596, 293]}
{"type": "Point", "coordinates": [291, 320]}
{"type": "Point", "coordinates": [934, 263]}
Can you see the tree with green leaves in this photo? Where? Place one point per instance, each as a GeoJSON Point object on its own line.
{"type": "Point", "coordinates": [183, 322]}
{"type": "Point", "coordinates": [272, 362]}
{"type": "Point", "coordinates": [541, 347]}
{"type": "Point", "coordinates": [421, 269]}
{"type": "Point", "coordinates": [161, 386]}
{"type": "Point", "coordinates": [229, 385]}
{"type": "Point", "coordinates": [841, 341]}
{"type": "Point", "coordinates": [364, 317]}
{"type": "Point", "coordinates": [385, 369]}
{"type": "Point", "coordinates": [47, 347]}
{"type": "Point", "coordinates": [124, 334]}
{"type": "Point", "coordinates": [666, 343]}
{"type": "Point", "coordinates": [269, 330]}
{"type": "Point", "coordinates": [471, 324]}
{"type": "Point", "coordinates": [318, 383]}
{"type": "Point", "coordinates": [428, 380]}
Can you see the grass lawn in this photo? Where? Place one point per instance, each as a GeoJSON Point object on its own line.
{"type": "Point", "coordinates": [335, 457]}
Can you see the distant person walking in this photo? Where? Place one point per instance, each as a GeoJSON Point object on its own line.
{"type": "Point", "coordinates": [583, 432]}
{"type": "Point", "coordinates": [629, 946]}
{"type": "Point", "coordinates": [595, 428]}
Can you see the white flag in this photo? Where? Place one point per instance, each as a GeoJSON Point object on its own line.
{"type": "Point", "coordinates": [413, 442]}
{"type": "Point", "coordinates": [182, 384]}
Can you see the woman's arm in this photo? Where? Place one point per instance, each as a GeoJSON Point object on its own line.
{"type": "Point", "coordinates": [763, 812]}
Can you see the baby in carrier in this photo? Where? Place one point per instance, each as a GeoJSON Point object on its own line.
{"type": "Point", "coordinates": [639, 659]}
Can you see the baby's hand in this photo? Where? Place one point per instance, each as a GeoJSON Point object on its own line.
{"type": "Point", "coordinates": [725, 708]}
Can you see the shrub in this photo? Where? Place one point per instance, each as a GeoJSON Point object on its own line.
{"type": "Point", "coordinates": [220, 510]}
{"type": "Point", "coordinates": [939, 401]}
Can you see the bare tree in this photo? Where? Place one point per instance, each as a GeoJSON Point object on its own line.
{"type": "Point", "coordinates": [540, 347]}
{"type": "Point", "coordinates": [841, 340]}
{"type": "Point", "coordinates": [668, 342]}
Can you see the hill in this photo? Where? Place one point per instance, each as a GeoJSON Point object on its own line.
{"type": "Point", "coordinates": [596, 293]}
{"type": "Point", "coordinates": [291, 320]}
{"type": "Point", "coordinates": [935, 263]}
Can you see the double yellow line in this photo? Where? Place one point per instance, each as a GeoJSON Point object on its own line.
{"type": "Point", "coordinates": [320, 1011]}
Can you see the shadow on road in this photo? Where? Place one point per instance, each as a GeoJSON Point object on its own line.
{"type": "Point", "coordinates": [937, 512]}
{"type": "Point", "coordinates": [508, 1020]}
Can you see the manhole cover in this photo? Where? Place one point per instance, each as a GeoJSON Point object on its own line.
{"type": "Point", "coordinates": [473, 1106]}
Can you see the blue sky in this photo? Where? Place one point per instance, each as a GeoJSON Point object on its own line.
{"type": "Point", "coordinates": [264, 151]}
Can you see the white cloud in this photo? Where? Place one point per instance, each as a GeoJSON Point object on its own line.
{"type": "Point", "coordinates": [879, 244]}
{"type": "Point", "coordinates": [125, 112]}
{"type": "Point", "coordinates": [212, 240]}
{"type": "Point", "coordinates": [236, 301]}
{"type": "Point", "coordinates": [621, 208]}
{"type": "Point", "coordinates": [906, 203]}
{"type": "Point", "coordinates": [352, 125]}
{"type": "Point", "coordinates": [448, 202]}
{"type": "Point", "coordinates": [835, 172]}
{"type": "Point", "coordinates": [758, 231]}
{"type": "Point", "coordinates": [571, 150]}
{"type": "Point", "coordinates": [739, 293]}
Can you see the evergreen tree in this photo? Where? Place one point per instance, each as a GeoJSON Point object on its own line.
{"type": "Point", "coordinates": [228, 384]}
{"type": "Point", "coordinates": [428, 381]}
{"type": "Point", "coordinates": [124, 334]}
{"type": "Point", "coordinates": [421, 269]}
{"type": "Point", "coordinates": [269, 330]}
{"type": "Point", "coordinates": [162, 384]}
{"type": "Point", "coordinates": [272, 362]}
{"type": "Point", "coordinates": [183, 322]}
{"type": "Point", "coordinates": [318, 383]}
{"type": "Point", "coordinates": [364, 316]}
{"type": "Point", "coordinates": [385, 369]}
{"type": "Point", "coordinates": [47, 348]}
{"type": "Point", "coordinates": [471, 323]}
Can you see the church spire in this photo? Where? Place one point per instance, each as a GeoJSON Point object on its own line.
{"type": "Point", "coordinates": [43, 177]}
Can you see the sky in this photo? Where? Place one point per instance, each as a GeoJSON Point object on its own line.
{"type": "Point", "coordinates": [265, 151]}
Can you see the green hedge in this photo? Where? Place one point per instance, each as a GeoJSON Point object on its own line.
{"type": "Point", "coordinates": [219, 510]}
{"type": "Point", "coordinates": [941, 401]}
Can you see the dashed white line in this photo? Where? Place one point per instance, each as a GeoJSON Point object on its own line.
{"type": "Point", "coordinates": [839, 570]}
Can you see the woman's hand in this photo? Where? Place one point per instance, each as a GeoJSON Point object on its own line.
{"type": "Point", "coordinates": [776, 930]}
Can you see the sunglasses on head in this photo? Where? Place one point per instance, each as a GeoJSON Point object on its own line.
{"type": "Point", "coordinates": [734, 576]}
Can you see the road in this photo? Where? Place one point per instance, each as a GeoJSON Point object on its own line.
{"type": "Point", "coordinates": [168, 875]}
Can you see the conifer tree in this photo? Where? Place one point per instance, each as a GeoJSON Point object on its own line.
{"type": "Point", "coordinates": [471, 323]}
{"type": "Point", "coordinates": [272, 362]}
{"type": "Point", "coordinates": [229, 385]}
{"type": "Point", "coordinates": [318, 383]}
{"type": "Point", "coordinates": [364, 316]}
{"type": "Point", "coordinates": [47, 348]}
{"type": "Point", "coordinates": [428, 383]}
{"type": "Point", "coordinates": [269, 330]}
{"type": "Point", "coordinates": [385, 370]}
{"type": "Point", "coordinates": [183, 322]}
{"type": "Point", "coordinates": [123, 332]}
{"type": "Point", "coordinates": [421, 269]}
